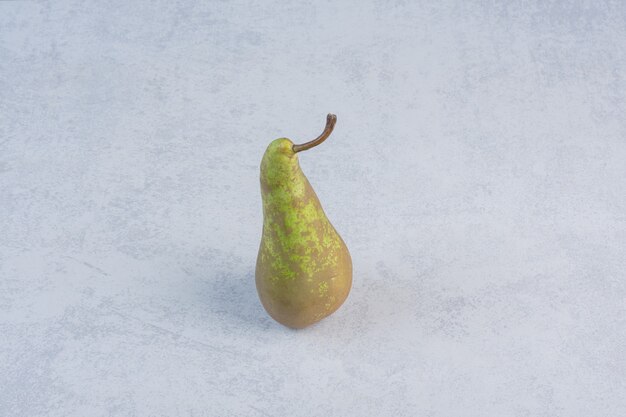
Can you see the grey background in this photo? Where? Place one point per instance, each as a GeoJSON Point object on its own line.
{"type": "Point", "coordinates": [477, 174]}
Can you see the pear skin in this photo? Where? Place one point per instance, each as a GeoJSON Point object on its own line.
{"type": "Point", "coordinates": [303, 269]}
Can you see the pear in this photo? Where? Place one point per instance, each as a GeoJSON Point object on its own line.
{"type": "Point", "coordinates": [303, 269]}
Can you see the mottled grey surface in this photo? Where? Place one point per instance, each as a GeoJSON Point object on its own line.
{"type": "Point", "coordinates": [477, 173]}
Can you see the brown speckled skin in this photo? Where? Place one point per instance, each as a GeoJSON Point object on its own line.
{"type": "Point", "coordinates": [304, 269]}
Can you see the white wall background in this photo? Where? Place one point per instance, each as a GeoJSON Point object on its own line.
{"type": "Point", "coordinates": [477, 174]}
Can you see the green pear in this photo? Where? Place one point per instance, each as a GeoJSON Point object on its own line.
{"type": "Point", "coordinates": [304, 269]}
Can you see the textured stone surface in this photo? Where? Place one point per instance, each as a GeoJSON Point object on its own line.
{"type": "Point", "coordinates": [477, 174]}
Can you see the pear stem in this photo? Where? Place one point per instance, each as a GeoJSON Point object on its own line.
{"type": "Point", "coordinates": [331, 119]}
